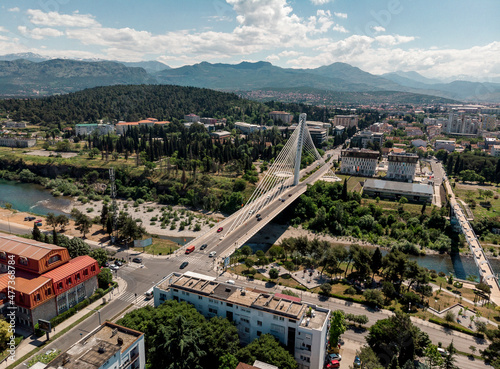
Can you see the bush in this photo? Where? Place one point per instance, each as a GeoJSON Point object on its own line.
{"type": "Point", "coordinates": [274, 273]}
{"type": "Point", "coordinates": [350, 291]}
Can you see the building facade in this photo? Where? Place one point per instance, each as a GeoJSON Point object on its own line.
{"type": "Point", "coordinates": [109, 346]}
{"type": "Point", "coordinates": [87, 129]}
{"type": "Point", "coordinates": [281, 117]}
{"type": "Point", "coordinates": [447, 145]}
{"type": "Point", "coordinates": [302, 328]}
{"type": "Point", "coordinates": [366, 138]}
{"type": "Point", "coordinates": [17, 142]}
{"type": "Point", "coordinates": [413, 192]}
{"type": "Point", "coordinates": [359, 162]}
{"type": "Point", "coordinates": [318, 135]}
{"type": "Point", "coordinates": [402, 167]}
{"type": "Point", "coordinates": [347, 121]}
{"type": "Point", "coordinates": [192, 118]}
{"type": "Point", "coordinates": [460, 123]}
{"type": "Point", "coordinates": [247, 127]}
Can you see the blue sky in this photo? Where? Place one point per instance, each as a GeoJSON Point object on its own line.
{"type": "Point", "coordinates": [440, 39]}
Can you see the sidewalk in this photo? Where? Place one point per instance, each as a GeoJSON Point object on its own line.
{"type": "Point", "coordinates": [32, 342]}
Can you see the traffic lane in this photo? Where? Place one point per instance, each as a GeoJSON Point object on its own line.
{"type": "Point", "coordinates": [14, 228]}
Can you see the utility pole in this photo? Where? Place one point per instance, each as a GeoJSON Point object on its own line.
{"type": "Point", "coordinates": [113, 202]}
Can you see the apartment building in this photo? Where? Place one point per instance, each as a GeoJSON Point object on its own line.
{"type": "Point", "coordinates": [347, 121]}
{"type": "Point", "coordinates": [302, 327]}
{"type": "Point", "coordinates": [17, 142]}
{"type": "Point", "coordinates": [123, 127]}
{"type": "Point", "coordinates": [462, 124]}
{"type": "Point", "coordinates": [318, 135]}
{"type": "Point", "coordinates": [100, 128]}
{"type": "Point", "coordinates": [364, 138]}
{"type": "Point", "coordinates": [281, 117]}
{"type": "Point", "coordinates": [247, 127]}
{"type": "Point", "coordinates": [47, 281]}
{"type": "Point", "coordinates": [360, 162]}
{"type": "Point", "coordinates": [192, 118]}
{"type": "Point", "coordinates": [109, 346]}
{"type": "Point", "coordinates": [402, 166]}
{"type": "Point", "coordinates": [448, 145]}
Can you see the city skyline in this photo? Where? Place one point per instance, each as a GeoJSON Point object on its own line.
{"type": "Point", "coordinates": [439, 40]}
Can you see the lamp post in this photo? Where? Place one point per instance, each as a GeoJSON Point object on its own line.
{"type": "Point", "coordinates": [98, 312]}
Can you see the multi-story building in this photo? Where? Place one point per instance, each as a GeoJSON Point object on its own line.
{"type": "Point", "coordinates": [495, 150]}
{"type": "Point", "coordinates": [318, 135]}
{"type": "Point", "coordinates": [47, 281]}
{"type": "Point", "coordinates": [489, 122]}
{"type": "Point", "coordinates": [448, 145]}
{"type": "Point", "coordinates": [347, 121]}
{"type": "Point", "coordinates": [192, 118]}
{"type": "Point", "coordinates": [109, 346]}
{"type": "Point", "coordinates": [313, 123]}
{"type": "Point", "coordinates": [461, 124]}
{"type": "Point", "coordinates": [100, 128]}
{"type": "Point", "coordinates": [413, 192]}
{"type": "Point", "coordinates": [433, 131]}
{"type": "Point", "coordinates": [281, 117]}
{"type": "Point", "coordinates": [413, 131]}
{"type": "Point", "coordinates": [419, 143]}
{"type": "Point", "coordinates": [12, 124]}
{"type": "Point", "coordinates": [248, 128]}
{"type": "Point", "coordinates": [302, 328]}
{"type": "Point", "coordinates": [339, 130]}
{"type": "Point", "coordinates": [381, 127]}
{"type": "Point", "coordinates": [123, 127]}
{"type": "Point", "coordinates": [364, 138]}
{"type": "Point", "coordinates": [402, 166]}
{"type": "Point", "coordinates": [360, 162]}
{"type": "Point", "coordinates": [17, 142]}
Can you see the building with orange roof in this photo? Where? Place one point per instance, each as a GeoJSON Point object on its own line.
{"type": "Point", "coordinates": [45, 282]}
{"type": "Point", "coordinates": [123, 127]}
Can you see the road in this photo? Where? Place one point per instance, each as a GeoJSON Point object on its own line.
{"type": "Point", "coordinates": [14, 228]}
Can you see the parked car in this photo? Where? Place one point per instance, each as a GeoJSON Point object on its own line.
{"type": "Point", "coordinates": [203, 247]}
{"type": "Point", "coordinates": [219, 229]}
{"type": "Point", "coordinates": [119, 263]}
{"type": "Point", "coordinates": [230, 281]}
{"type": "Point", "coordinates": [357, 362]}
{"type": "Point", "coordinates": [114, 267]}
{"type": "Point", "coordinates": [335, 357]}
{"type": "Point", "coordinates": [333, 364]}
{"type": "Point", "coordinates": [137, 260]}
{"type": "Point", "coordinates": [38, 221]}
{"type": "Point", "coordinates": [29, 219]}
{"type": "Point", "coordinates": [442, 351]}
{"type": "Point", "coordinates": [106, 264]}
{"type": "Point", "coordinates": [184, 264]}
{"type": "Point", "coordinates": [38, 224]}
{"type": "Point", "coordinates": [212, 254]}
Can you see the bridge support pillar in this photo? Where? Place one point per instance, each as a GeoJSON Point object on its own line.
{"type": "Point", "coordinates": [300, 144]}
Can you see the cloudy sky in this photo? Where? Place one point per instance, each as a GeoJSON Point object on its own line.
{"type": "Point", "coordinates": [437, 38]}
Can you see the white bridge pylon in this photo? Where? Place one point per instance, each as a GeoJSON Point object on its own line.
{"type": "Point", "coordinates": [283, 173]}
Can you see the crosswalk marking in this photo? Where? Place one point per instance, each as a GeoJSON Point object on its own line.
{"type": "Point", "coordinates": [139, 301]}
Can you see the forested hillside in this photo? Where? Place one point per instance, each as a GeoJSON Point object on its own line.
{"type": "Point", "coordinates": [130, 103]}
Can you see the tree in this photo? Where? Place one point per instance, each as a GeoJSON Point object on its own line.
{"type": "Point", "coordinates": [249, 262]}
{"type": "Point", "coordinates": [326, 288]}
{"type": "Point", "coordinates": [77, 247]}
{"type": "Point", "coordinates": [37, 235]}
{"type": "Point", "coordinates": [104, 215]}
{"type": "Point", "coordinates": [104, 278]}
{"type": "Point", "coordinates": [450, 359]}
{"type": "Point", "coordinates": [374, 297]}
{"type": "Point", "coordinates": [274, 273]}
{"type": "Point", "coordinates": [376, 262]}
{"type": "Point", "coordinates": [337, 327]}
{"type": "Point", "coordinates": [62, 221]}
{"type": "Point", "coordinates": [246, 250]}
{"type": "Point", "coordinates": [449, 317]}
{"type": "Point", "coordinates": [228, 361]}
{"type": "Point", "coordinates": [100, 256]}
{"type": "Point", "coordinates": [267, 349]}
{"type": "Point", "coordinates": [129, 229]}
{"type": "Point", "coordinates": [434, 358]}
{"type": "Point", "coordinates": [344, 190]}
{"type": "Point", "coordinates": [5, 333]}
{"type": "Point", "coordinates": [219, 337]}
{"type": "Point", "coordinates": [51, 220]}
{"type": "Point", "coordinates": [369, 358]}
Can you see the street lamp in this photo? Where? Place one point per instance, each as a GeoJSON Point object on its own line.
{"type": "Point", "coordinates": [98, 312]}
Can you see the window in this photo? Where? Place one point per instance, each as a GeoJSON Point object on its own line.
{"type": "Point", "coordinates": [78, 277]}
{"type": "Point", "coordinates": [247, 330]}
{"type": "Point", "coordinates": [86, 272]}
{"type": "Point", "coordinates": [3, 255]}
{"type": "Point", "coordinates": [229, 305]}
{"type": "Point", "coordinates": [259, 323]}
{"type": "Point", "coordinates": [37, 297]}
{"type": "Point", "coordinates": [54, 258]}
{"type": "Point", "coordinates": [213, 311]}
{"type": "Point", "coordinates": [259, 333]}
{"type": "Point", "coordinates": [175, 290]}
{"type": "Point", "coordinates": [23, 260]}
{"type": "Point", "coordinates": [246, 310]}
{"type": "Point", "coordinates": [245, 320]}
{"type": "Point", "coordinates": [49, 291]}
{"type": "Point", "coordinates": [69, 281]}
{"type": "Point", "coordinates": [60, 286]}
{"type": "Point", "coordinates": [92, 268]}
{"type": "Point", "coordinates": [199, 297]}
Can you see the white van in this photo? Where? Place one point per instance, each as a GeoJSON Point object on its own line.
{"type": "Point", "coordinates": [149, 293]}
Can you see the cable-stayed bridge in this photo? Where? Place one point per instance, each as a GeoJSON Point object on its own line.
{"type": "Point", "coordinates": [279, 187]}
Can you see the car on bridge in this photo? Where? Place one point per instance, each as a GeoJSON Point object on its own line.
{"type": "Point", "coordinates": [220, 229]}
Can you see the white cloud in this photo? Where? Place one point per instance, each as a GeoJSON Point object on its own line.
{"type": "Point", "coordinates": [392, 40]}
{"type": "Point", "coordinates": [55, 19]}
{"type": "Point", "coordinates": [15, 9]}
{"type": "Point", "coordinates": [289, 53]}
{"type": "Point", "coordinates": [273, 57]}
{"type": "Point", "coordinates": [320, 2]}
{"type": "Point", "coordinates": [339, 28]}
{"type": "Point", "coordinates": [2, 29]}
{"type": "Point", "coordinates": [378, 29]}
{"type": "Point", "coordinates": [341, 15]}
{"type": "Point", "coordinates": [39, 33]}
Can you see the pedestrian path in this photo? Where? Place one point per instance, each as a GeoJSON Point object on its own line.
{"type": "Point", "coordinates": [137, 299]}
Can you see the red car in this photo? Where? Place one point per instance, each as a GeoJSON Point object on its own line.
{"type": "Point", "coordinates": [219, 229]}
{"type": "Point", "coordinates": [333, 364]}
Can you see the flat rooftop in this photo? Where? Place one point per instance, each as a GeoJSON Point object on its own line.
{"type": "Point", "coordinates": [398, 187]}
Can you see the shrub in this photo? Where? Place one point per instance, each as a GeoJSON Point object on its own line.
{"type": "Point", "coordinates": [350, 291]}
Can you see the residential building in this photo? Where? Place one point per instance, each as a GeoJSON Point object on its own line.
{"type": "Point", "coordinates": [448, 145]}
{"type": "Point", "coordinates": [495, 150]}
{"type": "Point", "coordinates": [318, 135]}
{"type": "Point", "coordinates": [109, 346]}
{"type": "Point", "coordinates": [301, 327]}
{"type": "Point", "coordinates": [413, 192]}
{"type": "Point", "coordinates": [248, 128]}
{"type": "Point", "coordinates": [419, 143]}
{"type": "Point", "coordinates": [312, 123]}
{"type": "Point", "coordinates": [339, 130]}
{"type": "Point", "coordinates": [100, 128]}
{"type": "Point", "coordinates": [490, 141]}
{"type": "Point", "coordinates": [365, 138]}
{"type": "Point", "coordinates": [360, 162]}
{"type": "Point", "coordinates": [489, 122]}
{"type": "Point", "coordinates": [381, 127]}
{"type": "Point", "coordinates": [17, 142]}
{"type": "Point", "coordinates": [12, 124]}
{"type": "Point", "coordinates": [413, 131]}
{"type": "Point", "coordinates": [402, 167]}
{"type": "Point", "coordinates": [433, 131]}
{"type": "Point", "coordinates": [281, 117]}
{"type": "Point", "coordinates": [192, 118]}
{"type": "Point", "coordinates": [220, 135]}
{"type": "Point", "coordinates": [347, 121]}
{"type": "Point", "coordinates": [460, 123]}
{"type": "Point", "coordinates": [47, 281]}
{"type": "Point", "coordinates": [123, 127]}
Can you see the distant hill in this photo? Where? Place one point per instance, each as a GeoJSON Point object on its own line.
{"type": "Point", "coordinates": [32, 57]}
{"type": "Point", "coordinates": [24, 78]}
{"type": "Point", "coordinates": [151, 66]}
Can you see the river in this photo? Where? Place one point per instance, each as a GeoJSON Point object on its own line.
{"type": "Point", "coordinates": [36, 199]}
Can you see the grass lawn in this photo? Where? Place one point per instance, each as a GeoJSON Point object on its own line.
{"type": "Point", "coordinates": [352, 182]}
{"type": "Point", "coordinates": [414, 209]}
{"type": "Point", "coordinates": [159, 247]}
{"type": "Point", "coordinates": [464, 191]}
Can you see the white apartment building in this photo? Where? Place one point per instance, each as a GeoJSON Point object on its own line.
{"type": "Point", "coordinates": [361, 162]}
{"type": "Point", "coordinates": [447, 145]}
{"type": "Point", "coordinates": [402, 166]}
{"type": "Point", "coordinates": [284, 117]}
{"type": "Point", "coordinates": [489, 122]}
{"type": "Point", "coordinates": [299, 326]}
{"type": "Point", "coordinates": [495, 150]}
{"type": "Point", "coordinates": [17, 142]}
{"type": "Point", "coordinates": [462, 124]}
{"type": "Point", "coordinates": [86, 129]}
{"type": "Point", "coordinates": [247, 127]}
{"type": "Point", "coordinates": [109, 346]}
{"type": "Point", "coordinates": [347, 121]}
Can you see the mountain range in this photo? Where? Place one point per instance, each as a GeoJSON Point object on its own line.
{"type": "Point", "coordinates": [30, 74]}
